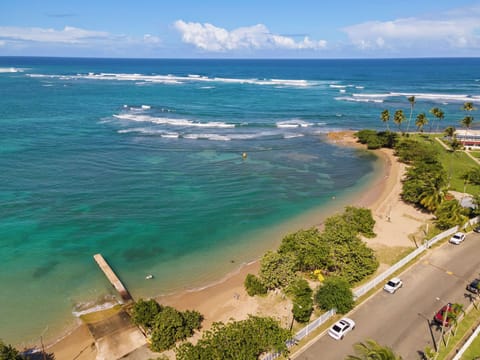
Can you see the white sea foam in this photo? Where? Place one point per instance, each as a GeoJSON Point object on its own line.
{"type": "Point", "coordinates": [335, 86]}
{"type": "Point", "coordinates": [11, 70]}
{"type": "Point", "coordinates": [172, 121]}
{"type": "Point", "coordinates": [172, 79]}
{"type": "Point", "coordinates": [353, 99]}
{"type": "Point", "coordinates": [291, 135]}
{"type": "Point", "coordinates": [215, 137]}
{"type": "Point", "coordinates": [146, 107]}
{"type": "Point", "coordinates": [424, 96]}
{"type": "Point", "coordinates": [295, 123]}
{"type": "Point", "coordinates": [96, 308]}
{"type": "Point", "coordinates": [342, 90]}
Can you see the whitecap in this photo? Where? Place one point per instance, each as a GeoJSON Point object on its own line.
{"type": "Point", "coordinates": [10, 70]}
{"type": "Point", "coordinates": [173, 79]}
{"type": "Point", "coordinates": [214, 137]}
{"type": "Point", "coordinates": [95, 308]}
{"type": "Point", "coordinates": [291, 136]}
{"type": "Point", "coordinates": [172, 121]}
{"type": "Point", "coordinates": [294, 123]}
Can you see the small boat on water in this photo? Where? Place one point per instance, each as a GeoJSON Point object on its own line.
{"type": "Point", "coordinates": [149, 277]}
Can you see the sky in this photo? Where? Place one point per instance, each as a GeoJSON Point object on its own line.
{"type": "Point", "coordinates": [240, 29]}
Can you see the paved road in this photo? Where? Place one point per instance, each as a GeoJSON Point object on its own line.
{"type": "Point", "coordinates": [401, 320]}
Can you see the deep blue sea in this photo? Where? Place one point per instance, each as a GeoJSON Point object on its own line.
{"type": "Point", "coordinates": [141, 160]}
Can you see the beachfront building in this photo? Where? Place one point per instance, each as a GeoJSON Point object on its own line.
{"type": "Point", "coordinates": [469, 138]}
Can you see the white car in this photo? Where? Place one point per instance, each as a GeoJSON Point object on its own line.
{"type": "Point", "coordinates": [340, 328]}
{"type": "Point", "coordinates": [457, 238]}
{"type": "Point", "coordinates": [393, 285]}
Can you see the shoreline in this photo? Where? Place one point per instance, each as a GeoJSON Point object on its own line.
{"type": "Point", "coordinates": [226, 298]}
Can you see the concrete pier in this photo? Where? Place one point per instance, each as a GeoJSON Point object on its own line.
{"type": "Point", "coordinates": [112, 277]}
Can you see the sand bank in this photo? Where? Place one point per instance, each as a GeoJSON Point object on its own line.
{"type": "Point", "coordinates": [227, 299]}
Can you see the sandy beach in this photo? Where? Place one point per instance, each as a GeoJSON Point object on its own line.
{"type": "Point", "coordinates": [227, 299]}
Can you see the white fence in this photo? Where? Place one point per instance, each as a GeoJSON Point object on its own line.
{"type": "Point", "coordinates": [371, 284]}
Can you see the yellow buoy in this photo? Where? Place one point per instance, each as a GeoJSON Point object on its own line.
{"type": "Point", "coordinates": [244, 155]}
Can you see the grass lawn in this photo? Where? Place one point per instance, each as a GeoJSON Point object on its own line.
{"type": "Point", "coordinates": [473, 350]}
{"type": "Point", "coordinates": [464, 329]}
{"type": "Point", "coordinates": [475, 154]}
{"type": "Point", "coordinates": [455, 164]}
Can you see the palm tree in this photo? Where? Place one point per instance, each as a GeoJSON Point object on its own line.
{"type": "Point", "coordinates": [385, 116]}
{"type": "Point", "coordinates": [467, 120]}
{"type": "Point", "coordinates": [432, 196]}
{"type": "Point", "coordinates": [411, 100]}
{"type": "Point", "coordinates": [468, 106]}
{"type": "Point", "coordinates": [398, 118]}
{"type": "Point", "coordinates": [450, 131]}
{"type": "Point", "coordinates": [422, 120]}
{"type": "Point", "coordinates": [439, 114]}
{"type": "Point", "coordinates": [371, 350]}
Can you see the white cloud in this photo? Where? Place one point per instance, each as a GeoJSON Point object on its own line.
{"type": "Point", "coordinates": [211, 38]}
{"type": "Point", "coordinates": [68, 35]}
{"type": "Point", "coordinates": [71, 36]}
{"type": "Point", "coordinates": [455, 29]}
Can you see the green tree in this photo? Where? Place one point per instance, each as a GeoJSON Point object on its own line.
{"type": "Point", "coordinates": [371, 350]}
{"type": "Point", "coordinates": [254, 286]}
{"type": "Point", "coordinates": [361, 220]}
{"type": "Point", "coordinates": [171, 325]}
{"type": "Point", "coordinates": [449, 214]}
{"type": "Point", "coordinates": [302, 300]}
{"type": "Point", "coordinates": [449, 131]}
{"type": "Point", "coordinates": [421, 121]}
{"type": "Point", "coordinates": [309, 252]}
{"type": "Point", "coordinates": [467, 121]}
{"type": "Point", "coordinates": [399, 118]}
{"type": "Point", "coordinates": [144, 313]}
{"type": "Point", "coordinates": [439, 115]}
{"type": "Point", "coordinates": [411, 100]}
{"type": "Point", "coordinates": [432, 196]}
{"type": "Point", "coordinates": [385, 116]}
{"type": "Point", "coordinates": [246, 339]}
{"type": "Point", "coordinates": [277, 270]}
{"type": "Point", "coordinates": [335, 293]}
{"type": "Point", "coordinates": [8, 352]}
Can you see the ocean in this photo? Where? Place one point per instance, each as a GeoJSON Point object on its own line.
{"type": "Point", "coordinates": [142, 160]}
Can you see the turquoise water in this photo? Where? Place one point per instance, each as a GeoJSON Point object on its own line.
{"type": "Point", "coordinates": [141, 160]}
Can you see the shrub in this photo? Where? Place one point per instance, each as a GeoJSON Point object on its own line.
{"type": "Point", "coordinates": [302, 300]}
{"type": "Point", "coordinates": [277, 270]}
{"type": "Point", "coordinates": [254, 286]}
{"type": "Point", "coordinates": [335, 293]}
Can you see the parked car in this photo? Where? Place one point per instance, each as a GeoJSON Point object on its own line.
{"type": "Point", "coordinates": [477, 229]}
{"type": "Point", "coordinates": [457, 238]}
{"type": "Point", "coordinates": [393, 285]}
{"type": "Point", "coordinates": [474, 286]}
{"type": "Point", "coordinates": [340, 328]}
{"type": "Point", "coordinates": [447, 310]}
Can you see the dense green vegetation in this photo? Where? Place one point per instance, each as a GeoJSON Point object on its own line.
{"type": "Point", "coordinates": [254, 286]}
{"type": "Point", "coordinates": [335, 293]}
{"type": "Point", "coordinates": [164, 324]}
{"type": "Point", "coordinates": [8, 352]}
{"type": "Point", "coordinates": [336, 251]}
{"type": "Point", "coordinates": [302, 300]}
{"type": "Point", "coordinates": [432, 172]}
{"type": "Point", "coordinates": [246, 339]}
